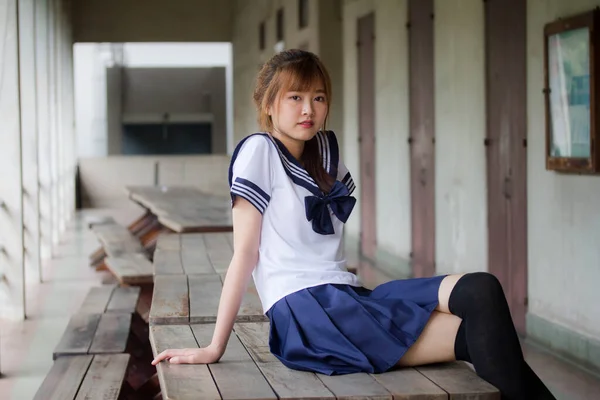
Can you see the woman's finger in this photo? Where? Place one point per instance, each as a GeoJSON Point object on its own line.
{"type": "Point", "coordinates": [169, 353]}
{"type": "Point", "coordinates": [183, 359]}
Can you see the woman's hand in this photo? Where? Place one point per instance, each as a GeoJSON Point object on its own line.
{"type": "Point", "coordinates": [205, 355]}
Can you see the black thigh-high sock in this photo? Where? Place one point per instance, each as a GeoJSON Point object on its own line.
{"type": "Point", "coordinates": [487, 338]}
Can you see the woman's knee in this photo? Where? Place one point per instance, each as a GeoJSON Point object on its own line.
{"type": "Point", "coordinates": [475, 289]}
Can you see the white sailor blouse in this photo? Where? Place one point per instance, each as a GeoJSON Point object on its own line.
{"type": "Point", "coordinates": [302, 228]}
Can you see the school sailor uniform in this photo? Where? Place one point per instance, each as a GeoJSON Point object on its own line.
{"type": "Point", "coordinates": [321, 318]}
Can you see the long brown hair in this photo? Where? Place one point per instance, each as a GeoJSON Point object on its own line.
{"type": "Point", "coordinates": [294, 70]}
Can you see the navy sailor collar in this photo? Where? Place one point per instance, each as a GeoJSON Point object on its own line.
{"type": "Point", "coordinates": [329, 151]}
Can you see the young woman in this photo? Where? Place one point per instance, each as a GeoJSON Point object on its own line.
{"type": "Point", "coordinates": [291, 195]}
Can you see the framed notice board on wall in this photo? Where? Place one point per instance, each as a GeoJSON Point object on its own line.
{"type": "Point", "coordinates": [571, 62]}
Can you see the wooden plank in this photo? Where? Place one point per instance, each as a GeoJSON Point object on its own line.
{"type": "Point", "coordinates": [78, 335]}
{"type": "Point", "coordinates": [219, 251]}
{"type": "Point", "coordinates": [112, 333]}
{"type": "Point", "coordinates": [236, 375]}
{"type": "Point", "coordinates": [167, 262]}
{"type": "Point", "coordinates": [251, 307]}
{"type": "Point", "coordinates": [193, 241]}
{"type": "Point", "coordinates": [355, 386]}
{"type": "Point", "coordinates": [181, 382]}
{"type": "Point", "coordinates": [287, 383]}
{"type": "Point", "coordinates": [124, 300]}
{"type": "Point", "coordinates": [170, 300]}
{"type": "Point", "coordinates": [205, 293]}
{"type": "Point", "coordinates": [459, 381]}
{"type": "Point", "coordinates": [64, 379]}
{"type": "Point", "coordinates": [409, 384]}
{"type": "Point", "coordinates": [168, 241]}
{"type": "Point", "coordinates": [104, 378]}
{"type": "Point", "coordinates": [96, 300]}
{"type": "Point", "coordinates": [196, 261]}
{"type": "Point", "coordinates": [131, 268]}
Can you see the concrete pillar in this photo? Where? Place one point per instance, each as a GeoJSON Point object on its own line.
{"type": "Point", "coordinates": [44, 121]}
{"type": "Point", "coordinates": [53, 81]}
{"type": "Point", "coordinates": [11, 196]}
{"type": "Point", "coordinates": [29, 137]}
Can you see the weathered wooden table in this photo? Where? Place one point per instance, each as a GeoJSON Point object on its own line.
{"type": "Point", "coordinates": [189, 271]}
{"type": "Point", "coordinates": [249, 371]}
{"type": "Point", "coordinates": [184, 208]}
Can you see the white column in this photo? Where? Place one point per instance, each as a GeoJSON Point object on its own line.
{"type": "Point", "coordinates": [44, 121]}
{"type": "Point", "coordinates": [12, 302]}
{"type": "Point", "coordinates": [29, 137]}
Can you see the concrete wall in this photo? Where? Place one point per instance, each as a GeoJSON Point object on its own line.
{"type": "Point", "coordinates": [187, 94]}
{"type": "Point", "coordinates": [460, 163]}
{"type": "Point", "coordinates": [103, 179]}
{"type": "Point", "coordinates": [154, 21]}
{"type": "Point", "coordinates": [563, 219]}
{"type": "Point", "coordinates": [391, 126]}
{"type": "Point", "coordinates": [36, 145]}
{"type": "Point", "coordinates": [322, 36]}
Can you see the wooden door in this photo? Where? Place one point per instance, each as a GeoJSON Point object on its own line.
{"type": "Point", "coordinates": [366, 137]}
{"type": "Point", "coordinates": [506, 150]}
{"type": "Point", "coordinates": [421, 138]}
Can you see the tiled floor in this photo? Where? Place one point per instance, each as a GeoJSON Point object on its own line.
{"type": "Point", "coordinates": [26, 347]}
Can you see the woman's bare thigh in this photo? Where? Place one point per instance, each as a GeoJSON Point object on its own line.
{"type": "Point", "coordinates": [444, 291]}
{"type": "Point", "coordinates": [436, 343]}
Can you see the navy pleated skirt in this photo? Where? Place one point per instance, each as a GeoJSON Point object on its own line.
{"type": "Point", "coordinates": [337, 329]}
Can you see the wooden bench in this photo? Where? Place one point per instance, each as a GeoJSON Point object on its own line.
{"type": "Point", "coordinates": [248, 370]}
{"type": "Point", "coordinates": [110, 298]}
{"type": "Point", "coordinates": [85, 377]}
{"type": "Point", "coordinates": [103, 323]}
{"type": "Point", "coordinates": [130, 269]}
{"type": "Point", "coordinates": [116, 240]}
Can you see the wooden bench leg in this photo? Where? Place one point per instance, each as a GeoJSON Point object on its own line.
{"type": "Point", "coordinates": [151, 239]}
{"type": "Point", "coordinates": [97, 256]}
{"type": "Point", "coordinates": [141, 370]}
{"type": "Point", "coordinates": [149, 389]}
{"type": "Point", "coordinates": [145, 301]}
{"type": "Point", "coordinates": [139, 224]}
{"type": "Point", "coordinates": [101, 266]}
{"type": "Point", "coordinates": [148, 229]}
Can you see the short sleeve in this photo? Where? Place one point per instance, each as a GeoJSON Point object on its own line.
{"type": "Point", "coordinates": [250, 172]}
{"type": "Point", "coordinates": [344, 176]}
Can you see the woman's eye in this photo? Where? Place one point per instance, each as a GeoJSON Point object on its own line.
{"type": "Point", "coordinates": [295, 97]}
{"type": "Point", "coordinates": [320, 98]}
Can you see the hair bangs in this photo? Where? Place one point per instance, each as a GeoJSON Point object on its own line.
{"type": "Point", "coordinates": [302, 76]}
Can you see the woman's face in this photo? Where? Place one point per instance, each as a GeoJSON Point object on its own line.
{"type": "Point", "coordinates": [298, 116]}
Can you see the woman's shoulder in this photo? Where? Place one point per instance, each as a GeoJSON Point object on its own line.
{"type": "Point", "coordinates": [256, 142]}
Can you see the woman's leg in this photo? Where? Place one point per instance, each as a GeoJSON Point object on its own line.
{"type": "Point", "coordinates": [473, 323]}
{"type": "Point", "coordinates": [436, 342]}
{"type": "Point", "coordinates": [487, 337]}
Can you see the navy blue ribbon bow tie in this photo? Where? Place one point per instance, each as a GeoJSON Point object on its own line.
{"type": "Point", "coordinates": [341, 205]}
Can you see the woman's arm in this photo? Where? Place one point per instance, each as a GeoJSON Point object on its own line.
{"type": "Point", "coordinates": [246, 237]}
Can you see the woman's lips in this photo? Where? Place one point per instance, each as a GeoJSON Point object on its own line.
{"type": "Point", "coordinates": [307, 124]}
